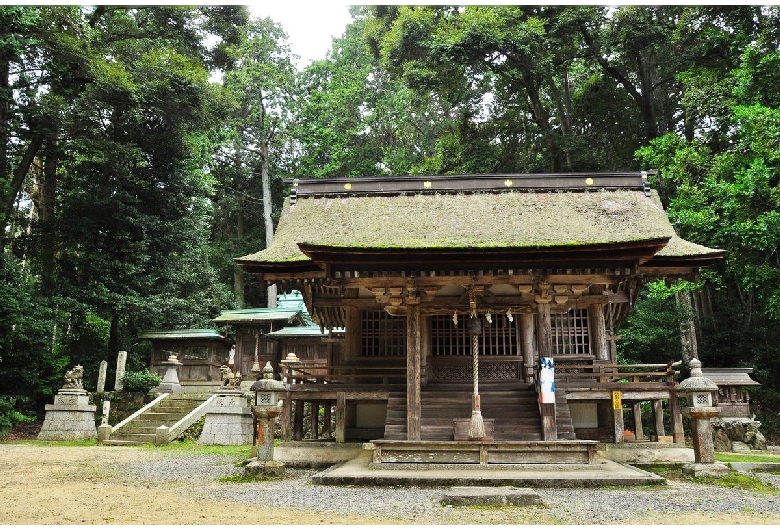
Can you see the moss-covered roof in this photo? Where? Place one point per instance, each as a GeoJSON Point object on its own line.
{"type": "Point", "coordinates": [471, 220]}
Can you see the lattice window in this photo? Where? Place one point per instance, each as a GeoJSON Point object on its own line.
{"type": "Point", "coordinates": [570, 333]}
{"type": "Point", "coordinates": [383, 335]}
{"type": "Point", "coordinates": [497, 338]}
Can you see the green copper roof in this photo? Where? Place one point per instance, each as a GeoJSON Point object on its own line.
{"type": "Point", "coordinates": [182, 334]}
{"type": "Point", "coordinates": [260, 314]}
{"type": "Point", "coordinates": [302, 332]}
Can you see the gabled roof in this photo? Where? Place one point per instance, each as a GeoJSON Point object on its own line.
{"type": "Point", "coordinates": [505, 220]}
{"type": "Point", "coordinates": [730, 376]}
{"type": "Point", "coordinates": [181, 334]}
{"type": "Point", "coordinates": [259, 315]}
{"type": "Point", "coordinates": [298, 332]}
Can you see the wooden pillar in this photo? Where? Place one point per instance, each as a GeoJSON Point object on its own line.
{"type": "Point", "coordinates": [341, 416]}
{"type": "Point", "coordinates": [617, 416]}
{"type": "Point", "coordinates": [326, 419]}
{"type": "Point", "coordinates": [658, 416]}
{"type": "Point", "coordinates": [353, 328]}
{"type": "Point", "coordinates": [598, 332]}
{"type": "Point", "coordinates": [286, 416]}
{"type": "Point", "coordinates": [678, 436]}
{"type": "Point", "coordinates": [636, 408]}
{"type": "Point", "coordinates": [528, 345]}
{"type": "Point", "coordinates": [314, 408]}
{"type": "Point", "coordinates": [413, 404]}
{"type": "Point", "coordinates": [425, 341]}
{"type": "Point", "coordinates": [544, 347]}
{"type": "Point", "coordinates": [298, 436]}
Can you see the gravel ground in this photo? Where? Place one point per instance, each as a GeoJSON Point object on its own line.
{"type": "Point", "coordinates": [676, 503]}
{"type": "Point", "coordinates": [52, 484]}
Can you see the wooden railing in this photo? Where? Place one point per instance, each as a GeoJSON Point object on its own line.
{"type": "Point", "coordinates": [615, 375]}
{"type": "Point", "coordinates": [347, 375]}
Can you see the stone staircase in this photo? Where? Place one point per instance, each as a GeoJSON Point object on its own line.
{"type": "Point", "coordinates": [174, 411]}
{"type": "Point", "coordinates": [513, 407]}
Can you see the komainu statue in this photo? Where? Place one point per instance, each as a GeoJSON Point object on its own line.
{"type": "Point", "coordinates": [229, 378]}
{"type": "Point", "coordinates": [73, 377]}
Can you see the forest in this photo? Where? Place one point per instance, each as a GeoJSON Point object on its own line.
{"type": "Point", "coordinates": [142, 148]}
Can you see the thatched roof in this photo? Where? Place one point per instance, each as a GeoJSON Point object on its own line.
{"type": "Point", "coordinates": [484, 220]}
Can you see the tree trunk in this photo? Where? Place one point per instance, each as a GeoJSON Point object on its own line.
{"type": "Point", "coordinates": [267, 209]}
{"type": "Point", "coordinates": [238, 273]}
{"type": "Point", "coordinates": [46, 211]}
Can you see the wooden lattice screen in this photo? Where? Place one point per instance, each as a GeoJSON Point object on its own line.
{"type": "Point", "coordinates": [570, 333]}
{"type": "Point", "coordinates": [497, 338]}
{"type": "Point", "coordinates": [382, 334]}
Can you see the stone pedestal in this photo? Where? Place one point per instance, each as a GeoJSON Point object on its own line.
{"type": "Point", "coordinates": [170, 383]}
{"type": "Point", "coordinates": [265, 431]}
{"type": "Point", "coordinates": [701, 432]}
{"type": "Point", "coordinates": [228, 420]}
{"type": "Point", "coordinates": [71, 417]}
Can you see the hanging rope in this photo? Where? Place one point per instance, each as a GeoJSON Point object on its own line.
{"type": "Point", "coordinates": [475, 363]}
{"type": "Point", "coordinates": [477, 425]}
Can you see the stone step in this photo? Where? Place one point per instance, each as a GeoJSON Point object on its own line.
{"type": "Point", "coordinates": [491, 496]}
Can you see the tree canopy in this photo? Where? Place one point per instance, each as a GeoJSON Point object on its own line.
{"type": "Point", "coordinates": [142, 148]}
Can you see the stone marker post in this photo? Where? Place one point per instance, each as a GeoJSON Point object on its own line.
{"type": "Point", "coordinates": [101, 382]}
{"type": "Point", "coordinates": [104, 429]}
{"type": "Point", "coordinates": [121, 360]}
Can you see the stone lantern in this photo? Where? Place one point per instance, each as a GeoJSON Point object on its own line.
{"type": "Point", "coordinates": [170, 382]}
{"type": "Point", "coordinates": [268, 392]}
{"type": "Point", "coordinates": [698, 391]}
{"type": "Point", "coordinates": [290, 363]}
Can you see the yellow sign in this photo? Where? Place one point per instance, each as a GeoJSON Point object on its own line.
{"type": "Point", "coordinates": [589, 181]}
{"type": "Point", "coordinates": [427, 184]}
{"type": "Point", "coordinates": [348, 186]}
{"type": "Point", "coordinates": [617, 400]}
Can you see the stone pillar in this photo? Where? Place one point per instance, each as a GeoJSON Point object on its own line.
{"type": "Point", "coordinates": [104, 429]}
{"type": "Point", "coordinates": [121, 360]}
{"type": "Point", "coordinates": [228, 420]}
{"type": "Point", "coordinates": [101, 382]}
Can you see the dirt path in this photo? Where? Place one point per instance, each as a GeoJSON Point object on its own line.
{"type": "Point", "coordinates": [69, 485]}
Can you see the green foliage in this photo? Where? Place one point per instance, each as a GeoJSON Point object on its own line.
{"type": "Point", "coordinates": [142, 381]}
{"type": "Point", "coordinates": [650, 333]}
{"type": "Point", "coordinates": [193, 432]}
{"type": "Point", "coordinates": [10, 415]}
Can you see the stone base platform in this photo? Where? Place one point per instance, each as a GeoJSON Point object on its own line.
{"type": "Point", "coordinates": [71, 417]}
{"type": "Point", "coordinates": [602, 472]}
